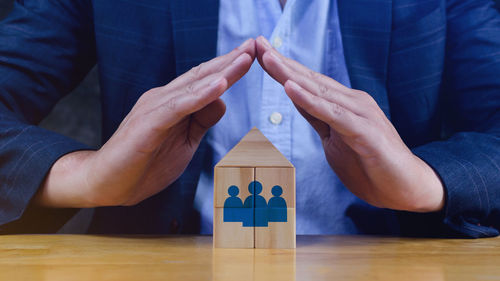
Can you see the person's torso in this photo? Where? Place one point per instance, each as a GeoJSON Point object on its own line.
{"type": "Point", "coordinates": [394, 51]}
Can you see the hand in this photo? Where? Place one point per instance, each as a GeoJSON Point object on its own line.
{"type": "Point", "coordinates": [360, 143]}
{"type": "Point", "coordinates": [154, 143]}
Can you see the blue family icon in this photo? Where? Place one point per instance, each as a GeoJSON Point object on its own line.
{"type": "Point", "coordinates": [277, 205]}
{"type": "Point", "coordinates": [255, 211]}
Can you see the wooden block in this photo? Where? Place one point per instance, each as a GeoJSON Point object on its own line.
{"type": "Point", "coordinates": [277, 234]}
{"type": "Point", "coordinates": [231, 234]}
{"type": "Point", "coordinates": [254, 150]}
{"type": "Point", "coordinates": [283, 177]}
{"type": "Point", "coordinates": [229, 176]}
{"type": "Point", "coordinates": [265, 216]}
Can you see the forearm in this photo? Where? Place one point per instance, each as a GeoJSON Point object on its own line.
{"type": "Point", "coordinates": [467, 164]}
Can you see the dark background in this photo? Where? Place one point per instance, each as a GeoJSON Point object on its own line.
{"type": "Point", "coordinates": [78, 115]}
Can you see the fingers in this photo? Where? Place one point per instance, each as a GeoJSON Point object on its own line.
{"type": "Point", "coordinates": [215, 65]}
{"type": "Point", "coordinates": [339, 118]}
{"type": "Point", "coordinates": [283, 69]}
{"type": "Point", "coordinates": [198, 94]}
{"type": "Point", "coordinates": [261, 46]}
{"type": "Point", "coordinates": [239, 67]}
{"type": "Point", "coordinates": [320, 99]}
{"type": "Point", "coordinates": [298, 68]}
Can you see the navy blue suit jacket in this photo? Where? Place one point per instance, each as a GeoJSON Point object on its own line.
{"type": "Point", "coordinates": [432, 66]}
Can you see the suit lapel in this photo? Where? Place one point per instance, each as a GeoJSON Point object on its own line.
{"type": "Point", "coordinates": [366, 33]}
{"type": "Point", "coordinates": [195, 25]}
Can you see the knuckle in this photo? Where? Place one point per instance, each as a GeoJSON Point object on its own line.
{"type": "Point", "coordinates": [371, 102]}
{"type": "Point", "coordinates": [336, 109]}
{"type": "Point", "coordinates": [152, 91]}
{"type": "Point", "coordinates": [313, 74]}
{"type": "Point", "coordinates": [359, 93]}
{"type": "Point", "coordinates": [189, 90]}
{"type": "Point", "coordinates": [366, 98]}
{"type": "Point", "coordinates": [363, 95]}
{"type": "Point", "coordinates": [370, 99]}
{"type": "Point", "coordinates": [171, 104]}
{"type": "Point", "coordinates": [196, 71]}
{"type": "Point", "coordinates": [172, 107]}
{"type": "Point", "coordinates": [323, 91]}
{"type": "Point", "coordinates": [144, 98]}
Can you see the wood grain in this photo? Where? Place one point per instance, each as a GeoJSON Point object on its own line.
{"type": "Point", "coordinates": [227, 176]}
{"type": "Point", "coordinates": [123, 258]}
{"type": "Point", "coordinates": [254, 150]}
{"type": "Point", "coordinates": [284, 177]}
{"type": "Point", "coordinates": [277, 234]}
{"type": "Point", "coordinates": [231, 234]}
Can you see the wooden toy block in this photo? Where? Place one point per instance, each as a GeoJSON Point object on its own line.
{"type": "Point", "coordinates": [254, 196]}
{"type": "Point", "coordinates": [282, 177]}
{"type": "Point", "coordinates": [225, 177]}
{"type": "Point", "coordinates": [231, 234]}
{"type": "Point", "coordinates": [277, 234]}
{"type": "Point", "coordinates": [254, 150]}
{"type": "Point", "coordinates": [280, 195]}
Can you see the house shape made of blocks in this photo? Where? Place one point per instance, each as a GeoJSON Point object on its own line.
{"type": "Point", "coordinates": [254, 196]}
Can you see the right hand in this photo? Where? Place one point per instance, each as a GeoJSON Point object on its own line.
{"type": "Point", "coordinates": [154, 143]}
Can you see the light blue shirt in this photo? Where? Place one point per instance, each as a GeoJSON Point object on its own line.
{"type": "Point", "coordinates": [307, 31]}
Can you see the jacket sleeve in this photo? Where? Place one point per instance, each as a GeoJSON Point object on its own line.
{"type": "Point", "coordinates": [46, 48]}
{"type": "Point", "coordinates": [468, 161]}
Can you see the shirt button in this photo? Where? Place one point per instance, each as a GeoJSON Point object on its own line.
{"type": "Point", "coordinates": [276, 118]}
{"type": "Point", "coordinates": [277, 42]}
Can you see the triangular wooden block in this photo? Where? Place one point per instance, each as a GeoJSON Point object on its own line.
{"type": "Point", "coordinates": [254, 164]}
{"type": "Point", "coordinates": [254, 150]}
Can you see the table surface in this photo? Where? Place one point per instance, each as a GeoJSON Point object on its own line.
{"type": "Point", "coordinates": [87, 257]}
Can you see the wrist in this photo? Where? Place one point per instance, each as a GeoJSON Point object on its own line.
{"type": "Point", "coordinates": [65, 185]}
{"type": "Point", "coordinates": [430, 195]}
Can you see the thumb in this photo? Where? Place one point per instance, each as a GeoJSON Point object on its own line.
{"type": "Point", "coordinates": [204, 119]}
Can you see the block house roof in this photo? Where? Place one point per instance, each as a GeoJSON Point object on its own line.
{"type": "Point", "coordinates": [254, 150]}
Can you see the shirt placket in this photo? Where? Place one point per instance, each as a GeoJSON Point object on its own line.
{"type": "Point", "coordinates": [276, 108]}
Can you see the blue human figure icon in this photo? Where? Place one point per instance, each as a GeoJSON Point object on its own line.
{"type": "Point", "coordinates": [233, 206]}
{"type": "Point", "coordinates": [277, 205]}
{"type": "Point", "coordinates": [258, 202]}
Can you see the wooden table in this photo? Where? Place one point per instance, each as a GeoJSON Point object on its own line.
{"type": "Point", "coordinates": [85, 257]}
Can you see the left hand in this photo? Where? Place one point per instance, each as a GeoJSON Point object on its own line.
{"type": "Point", "coordinates": [360, 143]}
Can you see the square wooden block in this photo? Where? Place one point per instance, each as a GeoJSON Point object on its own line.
{"type": "Point", "coordinates": [231, 234]}
{"type": "Point", "coordinates": [277, 234]}
{"type": "Point", "coordinates": [225, 177]}
{"type": "Point", "coordinates": [282, 177]}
